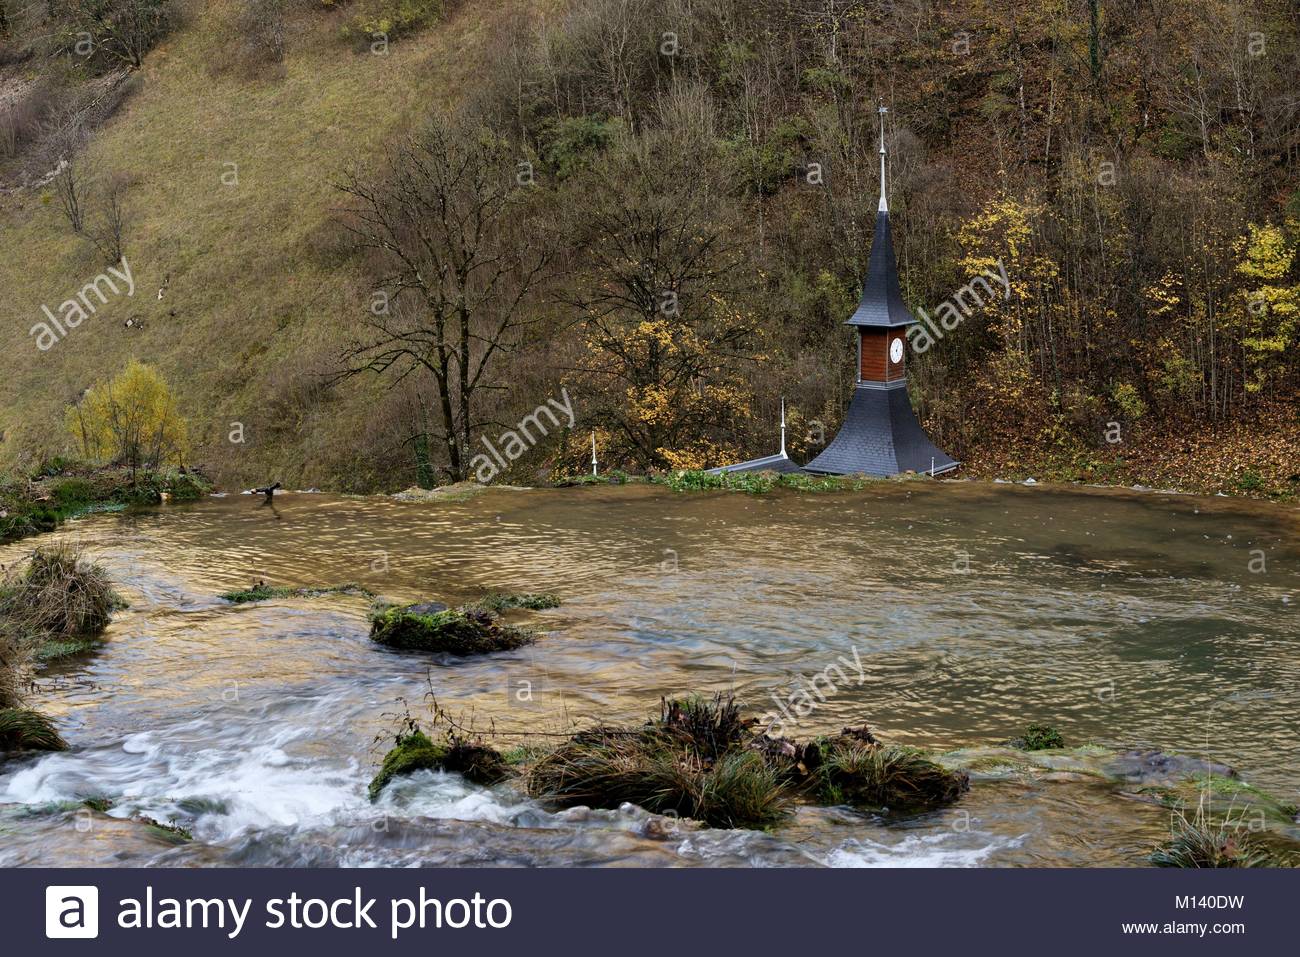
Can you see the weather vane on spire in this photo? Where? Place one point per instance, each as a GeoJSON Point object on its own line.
{"type": "Point", "coordinates": [882, 110]}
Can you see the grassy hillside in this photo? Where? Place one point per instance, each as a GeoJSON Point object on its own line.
{"type": "Point", "coordinates": [254, 304]}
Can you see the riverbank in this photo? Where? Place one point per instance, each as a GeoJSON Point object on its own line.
{"type": "Point", "coordinates": [1254, 455]}
{"type": "Point", "coordinates": [61, 489]}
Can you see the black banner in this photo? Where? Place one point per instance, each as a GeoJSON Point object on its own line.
{"type": "Point", "coordinates": [649, 911]}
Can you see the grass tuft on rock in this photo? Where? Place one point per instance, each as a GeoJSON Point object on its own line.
{"type": "Point", "coordinates": [660, 772]}
{"type": "Point", "coordinates": [454, 631]}
{"type": "Point", "coordinates": [23, 730]}
{"type": "Point", "coordinates": [58, 594]}
{"type": "Point", "coordinates": [886, 777]}
{"type": "Point", "coordinates": [701, 759]}
{"type": "Point", "coordinates": [1197, 842]}
{"type": "Point", "coordinates": [415, 751]}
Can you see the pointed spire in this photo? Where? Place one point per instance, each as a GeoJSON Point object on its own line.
{"type": "Point", "coordinates": [882, 110]}
{"type": "Point", "coordinates": [882, 300]}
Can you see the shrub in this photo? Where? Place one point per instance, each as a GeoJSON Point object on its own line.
{"type": "Point", "coordinates": [391, 19]}
{"type": "Point", "coordinates": [131, 420]}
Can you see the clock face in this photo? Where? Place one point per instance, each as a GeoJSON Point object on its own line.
{"type": "Point", "coordinates": [896, 351]}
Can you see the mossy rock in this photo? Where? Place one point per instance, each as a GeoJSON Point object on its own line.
{"type": "Point", "coordinates": [171, 832]}
{"type": "Point", "coordinates": [453, 631]}
{"type": "Point", "coordinates": [416, 752]}
{"type": "Point", "coordinates": [23, 730]}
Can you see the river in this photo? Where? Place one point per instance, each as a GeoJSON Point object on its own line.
{"type": "Point", "coordinates": [968, 610]}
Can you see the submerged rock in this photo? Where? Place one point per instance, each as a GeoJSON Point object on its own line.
{"type": "Point", "coordinates": [430, 626]}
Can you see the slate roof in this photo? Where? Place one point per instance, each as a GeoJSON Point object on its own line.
{"type": "Point", "coordinates": [769, 463]}
{"type": "Point", "coordinates": [880, 437]}
{"type": "Point", "coordinates": [882, 300]}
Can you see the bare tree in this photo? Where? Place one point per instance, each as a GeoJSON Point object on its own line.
{"type": "Point", "coordinates": [70, 189]}
{"type": "Point", "coordinates": [457, 255]}
{"type": "Point", "coordinates": [110, 234]}
{"type": "Point", "coordinates": [125, 30]}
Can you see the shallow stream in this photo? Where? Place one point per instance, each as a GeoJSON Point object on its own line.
{"type": "Point", "coordinates": [957, 612]}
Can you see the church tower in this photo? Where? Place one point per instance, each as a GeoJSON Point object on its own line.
{"type": "Point", "coordinates": [881, 435]}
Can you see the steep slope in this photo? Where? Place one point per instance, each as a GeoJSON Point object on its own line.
{"type": "Point", "coordinates": [252, 305]}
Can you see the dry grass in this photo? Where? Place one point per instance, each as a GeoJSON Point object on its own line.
{"type": "Point", "coordinates": [57, 595]}
{"type": "Point", "coordinates": [1198, 842]}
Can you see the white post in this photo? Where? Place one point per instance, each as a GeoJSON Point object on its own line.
{"type": "Point", "coordinates": [883, 110]}
{"type": "Point", "coordinates": [783, 426]}
{"type": "Point", "coordinates": [932, 466]}
{"type": "Point", "coordinates": [593, 453]}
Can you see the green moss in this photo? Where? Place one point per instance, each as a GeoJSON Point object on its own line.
{"type": "Point", "coordinates": [101, 804]}
{"type": "Point", "coordinates": [1039, 737]}
{"type": "Point", "coordinates": [456, 631]}
{"type": "Point", "coordinates": [414, 751]}
{"type": "Point", "coordinates": [60, 649]}
{"type": "Point", "coordinates": [23, 730]}
{"type": "Point", "coordinates": [755, 483]}
{"type": "Point", "coordinates": [264, 592]}
{"type": "Point", "coordinates": [500, 601]}
{"type": "Point", "coordinates": [171, 831]}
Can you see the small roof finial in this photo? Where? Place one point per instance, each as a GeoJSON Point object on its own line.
{"type": "Point", "coordinates": [882, 110]}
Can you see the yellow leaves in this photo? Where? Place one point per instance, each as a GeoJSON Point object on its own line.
{"type": "Point", "coordinates": [700, 454]}
{"type": "Point", "coordinates": [131, 420]}
{"type": "Point", "coordinates": [1162, 296]}
{"type": "Point", "coordinates": [1267, 315]}
{"type": "Point", "coordinates": [1268, 255]}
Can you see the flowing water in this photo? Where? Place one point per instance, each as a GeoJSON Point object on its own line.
{"type": "Point", "coordinates": [956, 612]}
